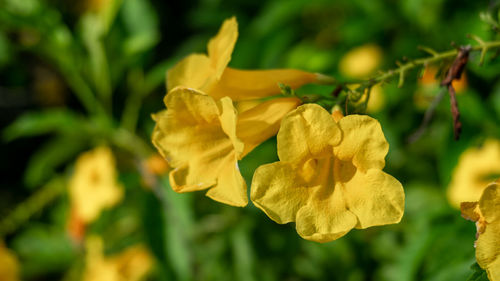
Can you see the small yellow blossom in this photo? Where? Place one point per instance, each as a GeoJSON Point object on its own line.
{"type": "Point", "coordinates": [156, 164]}
{"type": "Point", "coordinates": [203, 139]}
{"type": "Point", "coordinates": [9, 265]}
{"type": "Point", "coordinates": [475, 169]}
{"type": "Point", "coordinates": [211, 75]}
{"type": "Point", "coordinates": [93, 186]}
{"type": "Point", "coordinates": [486, 214]}
{"type": "Point", "coordinates": [329, 179]}
{"type": "Point", "coordinates": [130, 265]}
{"type": "Point", "coordinates": [377, 98]}
{"type": "Point", "coordinates": [361, 62]}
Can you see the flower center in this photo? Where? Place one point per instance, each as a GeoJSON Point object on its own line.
{"type": "Point", "coordinates": [343, 170]}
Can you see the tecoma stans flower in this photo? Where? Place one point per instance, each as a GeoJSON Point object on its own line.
{"type": "Point", "coordinates": [329, 179]}
{"type": "Point", "coordinates": [203, 138]}
{"type": "Point", "coordinates": [477, 166]}
{"type": "Point", "coordinates": [211, 75]}
{"type": "Point", "coordinates": [486, 214]}
{"type": "Point", "coordinates": [132, 264]}
{"type": "Point", "coordinates": [93, 186]}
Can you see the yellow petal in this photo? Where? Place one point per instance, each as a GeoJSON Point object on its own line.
{"type": "Point", "coordinates": [473, 172]}
{"type": "Point", "coordinates": [231, 188]}
{"type": "Point", "coordinates": [362, 141]}
{"type": "Point", "coordinates": [93, 186]}
{"type": "Point", "coordinates": [488, 251]}
{"type": "Point", "coordinates": [263, 121]}
{"type": "Point", "coordinates": [197, 135]}
{"type": "Point", "coordinates": [361, 61]}
{"type": "Point", "coordinates": [489, 204]}
{"type": "Point", "coordinates": [470, 211]}
{"type": "Point", "coordinates": [228, 121]}
{"type": "Point", "coordinates": [306, 132]}
{"type": "Point", "coordinates": [221, 46]}
{"type": "Point", "coordinates": [279, 192]}
{"type": "Point", "coordinates": [325, 220]}
{"type": "Point", "coordinates": [376, 198]}
{"type": "Point", "coordinates": [193, 71]}
{"type": "Point", "coordinates": [255, 84]}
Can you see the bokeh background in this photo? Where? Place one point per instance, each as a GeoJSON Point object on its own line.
{"type": "Point", "coordinates": [53, 53]}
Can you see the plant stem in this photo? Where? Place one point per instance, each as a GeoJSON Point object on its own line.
{"type": "Point", "coordinates": [31, 206]}
{"type": "Point", "coordinates": [401, 70]}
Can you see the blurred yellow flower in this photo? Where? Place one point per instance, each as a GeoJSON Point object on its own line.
{"type": "Point", "coordinates": [377, 98]}
{"type": "Point", "coordinates": [93, 186]}
{"type": "Point", "coordinates": [156, 164]}
{"type": "Point", "coordinates": [9, 265]}
{"type": "Point", "coordinates": [475, 169]}
{"type": "Point", "coordinates": [211, 75]}
{"type": "Point", "coordinates": [329, 179]}
{"type": "Point", "coordinates": [133, 264]}
{"type": "Point", "coordinates": [486, 214]}
{"type": "Point", "coordinates": [361, 62]}
{"type": "Point", "coordinates": [203, 139]}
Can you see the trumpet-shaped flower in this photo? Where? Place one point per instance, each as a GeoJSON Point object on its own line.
{"type": "Point", "coordinates": [211, 75]}
{"type": "Point", "coordinates": [203, 139]}
{"type": "Point", "coordinates": [486, 214]}
{"type": "Point", "coordinates": [9, 265]}
{"type": "Point", "coordinates": [130, 265]}
{"type": "Point", "coordinates": [475, 169]}
{"type": "Point", "coordinates": [329, 179]}
{"type": "Point", "coordinates": [93, 186]}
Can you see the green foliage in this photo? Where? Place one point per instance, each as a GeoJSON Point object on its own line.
{"type": "Point", "coordinates": [113, 62]}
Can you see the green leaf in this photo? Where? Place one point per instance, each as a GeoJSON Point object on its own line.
{"type": "Point", "coordinates": [178, 220]}
{"type": "Point", "coordinates": [44, 250]}
{"type": "Point", "coordinates": [141, 22]}
{"type": "Point", "coordinates": [43, 122]}
{"type": "Point", "coordinates": [478, 274]}
{"type": "Point", "coordinates": [46, 160]}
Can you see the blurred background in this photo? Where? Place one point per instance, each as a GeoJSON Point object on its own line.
{"type": "Point", "coordinates": [76, 75]}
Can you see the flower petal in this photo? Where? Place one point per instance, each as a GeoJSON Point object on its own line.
{"type": "Point", "coordinates": [472, 174]}
{"type": "Point", "coordinates": [376, 198]}
{"type": "Point", "coordinates": [488, 251]}
{"type": "Point", "coordinates": [231, 188]}
{"type": "Point", "coordinates": [263, 121]}
{"type": "Point", "coordinates": [255, 84]}
{"type": "Point", "coordinates": [228, 122]}
{"type": "Point", "coordinates": [278, 191]}
{"type": "Point", "coordinates": [363, 141]}
{"type": "Point", "coordinates": [193, 71]}
{"type": "Point", "coordinates": [489, 204]}
{"type": "Point", "coordinates": [324, 220]}
{"type": "Point", "coordinates": [221, 46]}
{"type": "Point", "coordinates": [307, 132]}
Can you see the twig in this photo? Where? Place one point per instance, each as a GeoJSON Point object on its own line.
{"type": "Point", "coordinates": [454, 73]}
{"type": "Point", "coordinates": [429, 113]}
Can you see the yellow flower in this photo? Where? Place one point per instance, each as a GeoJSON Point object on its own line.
{"type": "Point", "coordinates": [211, 75]}
{"type": "Point", "coordinates": [93, 186]}
{"type": "Point", "coordinates": [361, 61]}
{"type": "Point", "coordinates": [130, 265]}
{"type": "Point", "coordinates": [329, 178]}
{"type": "Point", "coordinates": [377, 98]}
{"type": "Point", "coordinates": [475, 169]}
{"type": "Point", "coordinates": [486, 214]}
{"type": "Point", "coordinates": [203, 139]}
{"type": "Point", "coordinates": [9, 265]}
